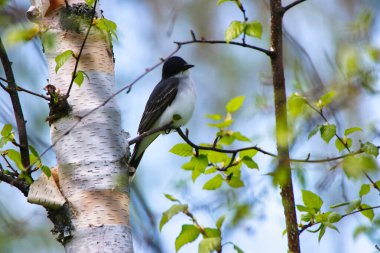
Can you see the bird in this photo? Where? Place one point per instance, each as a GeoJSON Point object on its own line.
{"type": "Point", "coordinates": [172, 101]}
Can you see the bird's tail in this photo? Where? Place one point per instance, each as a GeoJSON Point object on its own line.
{"type": "Point", "coordinates": [134, 163]}
{"type": "Point", "coordinates": [138, 153]}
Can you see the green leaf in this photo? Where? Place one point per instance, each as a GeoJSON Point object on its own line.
{"type": "Point", "coordinates": [62, 59]}
{"type": "Point", "coordinates": [222, 1]}
{"type": "Point", "coordinates": [311, 200]}
{"type": "Point", "coordinates": [190, 165]}
{"type": "Point", "coordinates": [334, 217]}
{"type": "Point", "coordinates": [215, 117]}
{"type": "Point", "coordinates": [220, 221]}
{"type": "Point", "coordinates": [367, 213]}
{"type": "Point", "coordinates": [209, 245]}
{"type": "Point", "coordinates": [359, 230]}
{"type": "Point", "coordinates": [90, 3]}
{"type": "Point", "coordinates": [189, 233]}
{"type": "Point", "coordinates": [329, 225]}
{"type": "Point", "coordinates": [351, 130]}
{"type": "Point", "coordinates": [339, 145]}
{"type": "Point", "coordinates": [240, 137]}
{"type": "Point", "coordinates": [171, 198]}
{"type": "Point", "coordinates": [364, 190]}
{"type": "Point", "coordinates": [201, 163]}
{"type": "Point", "coordinates": [355, 204]}
{"type": "Point", "coordinates": [216, 157]}
{"type": "Point", "coordinates": [325, 99]}
{"type": "Point", "coordinates": [79, 77]}
{"type": "Point", "coordinates": [214, 183]}
{"type": "Point", "coordinates": [234, 30]}
{"type": "Point", "coordinates": [224, 124]}
{"type": "Point", "coordinates": [247, 153]}
{"type": "Point", "coordinates": [314, 131]}
{"type": "Point", "coordinates": [182, 149]}
{"type": "Point", "coordinates": [235, 182]}
{"type": "Point", "coordinates": [328, 131]}
{"type": "Point", "coordinates": [173, 210]}
{"type": "Point", "coordinates": [296, 104]}
{"type": "Point", "coordinates": [7, 130]}
{"type": "Point", "coordinates": [250, 163]}
{"type": "Point", "coordinates": [195, 174]}
{"type": "Point", "coordinates": [354, 166]}
{"type": "Point", "coordinates": [15, 157]}
{"type": "Point", "coordinates": [239, 250]}
{"type": "Point", "coordinates": [377, 183]}
{"type": "Point", "coordinates": [46, 170]}
{"type": "Point", "coordinates": [370, 149]}
{"type": "Point", "coordinates": [340, 204]}
{"type": "Point", "coordinates": [234, 104]}
{"type": "Point", "coordinates": [302, 208]}
{"type": "Point", "coordinates": [107, 26]}
{"type": "Point", "coordinates": [21, 33]}
{"type": "Point", "coordinates": [254, 29]}
{"type": "Point", "coordinates": [212, 232]}
{"type": "Point", "coordinates": [321, 232]}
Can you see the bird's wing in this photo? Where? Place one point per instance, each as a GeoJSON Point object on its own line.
{"type": "Point", "coordinates": [161, 97]}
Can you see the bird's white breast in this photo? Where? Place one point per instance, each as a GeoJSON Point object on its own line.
{"type": "Point", "coordinates": [183, 104]}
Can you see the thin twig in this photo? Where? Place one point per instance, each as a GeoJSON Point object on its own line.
{"type": "Point", "coordinates": [204, 41]}
{"type": "Point", "coordinates": [288, 7]}
{"type": "Point", "coordinates": [77, 58]}
{"type": "Point", "coordinates": [150, 132]}
{"type": "Point", "coordinates": [21, 124]}
{"type": "Point", "coordinates": [306, 226]}
{"type": "Point", "coordinates": [19, 88]}
{"type": "Point", "coordinates": [233, 151]}
{"type": "Point", "coordinates": [320, 112]}
{"type": "Point", "coordinates": [9, 164]}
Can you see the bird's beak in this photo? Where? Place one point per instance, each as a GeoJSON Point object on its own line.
{"type": "Point", "coordinates": [189, 66]}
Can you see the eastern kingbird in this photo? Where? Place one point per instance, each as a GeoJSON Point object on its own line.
{"type": "Point", "coordinates": [172, 100]}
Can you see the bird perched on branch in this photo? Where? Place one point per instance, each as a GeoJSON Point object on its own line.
{"type": "Point", "coordinates": [172, 102]}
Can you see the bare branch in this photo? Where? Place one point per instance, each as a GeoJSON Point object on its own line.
{"type": "Point", "coordinates": [204, 41]}
{"type": "Point", "coordinates": [19, 88]}
{"type": "Point", "coordinates": [19, 184]}
{"type": "Point", "coordinates": [150, 132]}
{"type": "Point", "coordinates": [21, 124]}
{"type": "Point", "coordinates": [288, 7]}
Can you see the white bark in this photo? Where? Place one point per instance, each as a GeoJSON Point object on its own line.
{"type": "Point", "coordinates": [92, 176]}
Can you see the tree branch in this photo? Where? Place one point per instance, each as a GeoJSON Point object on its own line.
{"type": "Point", "coordinates": [204, 41]}
{"type": "Point", "coordinates": [306, 226]}
{"type": "Point", "coordinates": [19, 184]}
{"type": "Point", "coordinates": [19, 88]}
{"type": "Point", "coordinates": [288, 7]}
{"type": "Point", "coordinates": [279, 89]}
{"type": "Point", "coordinates": [150, 132]}
{"type": "Point", "coordinates": [21, 124]}
{"type": "Point", "coordinates": [77, 58]}
{"type": "Point", "coordinates": [235, 151]}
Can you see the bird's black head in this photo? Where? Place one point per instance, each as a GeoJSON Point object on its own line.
{"type": "Point", "coordinates": [174, 65]}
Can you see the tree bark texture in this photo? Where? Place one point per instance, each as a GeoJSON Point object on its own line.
{"type": "Point", "coordinates": [283, 170]}
{"type": "Point", "coordinates": [91, 173]}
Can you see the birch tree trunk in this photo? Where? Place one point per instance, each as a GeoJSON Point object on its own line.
{"type": "Point", "coordinates": [92, 177]}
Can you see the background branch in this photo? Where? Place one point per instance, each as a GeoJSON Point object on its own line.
{"type": "Point", "coordinates": [21, 124]}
